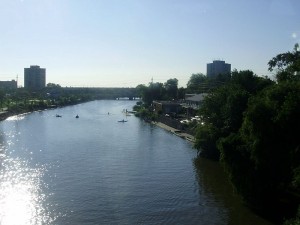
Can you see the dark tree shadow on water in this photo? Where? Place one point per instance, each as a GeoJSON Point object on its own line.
{"type": "Point", "coordinates": [213, 182]}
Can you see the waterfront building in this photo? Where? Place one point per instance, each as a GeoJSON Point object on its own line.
{"type": "Point", "coordinates": [8, 84]}
{"type": "Point", "coordinates": [217, 67]}
{"type": "Point", "coordinates": [195, 101]}
{"type": "Point", "coordinates": [166, 107]}
{"type": "Point", "coordinates": [34, 77]}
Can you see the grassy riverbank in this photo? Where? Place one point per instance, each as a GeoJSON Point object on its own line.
{"type": "Point", "coordinates": [18, 110]}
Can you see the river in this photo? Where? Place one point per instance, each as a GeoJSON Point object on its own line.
{"type": "Point", "coordinates": [96, 170]}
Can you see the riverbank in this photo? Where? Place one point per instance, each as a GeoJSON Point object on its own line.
{"type": "Point", "coordinates": [5, 114]}
{"type": "Point", "coordinates": [177, 132]}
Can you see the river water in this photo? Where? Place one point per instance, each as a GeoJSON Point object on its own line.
{"type": "Point", "coordinates": [96, 170]}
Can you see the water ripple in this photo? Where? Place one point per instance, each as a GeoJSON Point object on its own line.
{"type": "Point", "coordinates": [21, 195]}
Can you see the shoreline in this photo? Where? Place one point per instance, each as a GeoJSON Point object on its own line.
{"type": "Point", "coordinates": [176, 132]}
{"type": "Point", "coordinates": [6, 114]}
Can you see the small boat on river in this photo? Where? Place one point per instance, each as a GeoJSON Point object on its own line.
{"type": "Point", "coordinates": [58, 115]}
{"type": "Point", "coordinates": [77, 117]}
{"type": "Point", "coordinates": [123, 121]}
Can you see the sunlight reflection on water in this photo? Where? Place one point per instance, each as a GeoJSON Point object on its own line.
{"type": "Point", "coordinates": [17, 117]}
{"type": "Point", "coordinates": [21, 196]}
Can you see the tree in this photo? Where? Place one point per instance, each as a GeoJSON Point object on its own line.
{"type": "Point", "coordinates": [249, 81]}
{"type": "Point", "coordinates": [222, 110]}
{"type": "Point", "coordinates": [195, 83]}
{"type": "Point", "coordinates": [155, 91]}
{"type": "Point", "coordinates": [181, 93]}
{"type": "Point", "coordinates": [222, 113]}
{"type": "Point", "coordinates": [287, 65]}
{"type": "Point", "coordinates": [263, 157]}
{"type": "Point", "coordinates": [2, 96]}
{"type": "Point", "coordinates": [171, 87]}
{"type": "Point", "coordinates": [52, 85]}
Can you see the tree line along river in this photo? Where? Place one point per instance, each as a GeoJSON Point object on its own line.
{"type": "Point", "coordinates": [96, 170]}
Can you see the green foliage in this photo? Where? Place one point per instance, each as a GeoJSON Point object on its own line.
{"type": "Point", "coordinates": [262, 157]}
{"type": "Point", "coordinates": [171, 87]}
{"type": "Point", "coordinates": [295, 221]}
{"type": "Point", "coordinates": [271, 129]}
{"type": "Point", "coordinates": [222, 110]}
{"type": "Point", "coordinates": [249, 82]}
{"type": "Point", "coordinates": [159, 91]}
{"type": "Point", "coordinates": [206, 137]}
{"type": "Point", "coordinates": [199, 83]}
{"type": "Point", "coordinates": [181, 93]}
{"type": "Point", "coordinates": [52, 85]}
{"type": "Point", "coordinates": [287, 65]}
{"type": "Point", "coordinates": [222, 113]}
{"type": "Point", "coordinates": [253, 125]}
{"type": "Point", "coordinates": [144, 113]}
{"type": "Point", "coordinates": [195, 82]}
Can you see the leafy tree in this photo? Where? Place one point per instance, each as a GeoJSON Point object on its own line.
{"type": "Point", "coordinates": [171, 87]}
{"type": "Point", "coordinates": [295, 221]}
{"type": "Point", "coordinates": [142, 91]}
{"type": "Point", "coordinates": [249, 81]}
{"type": "Point", "coordinates": [263, 157]}
{"type": "Point", "coordinates": [52, 85]}
{"type": "Point", "coordinates": [222, 110]}
{"type": "Point", "coordinates": [287, 65]}
{"type": "Point", "coordinates": [2, 97]}
{"type": "Point", "coordinates": [196, 83]}
{"type": "Point", "coordinates": [222, 113]}
{"type": "Point", "coordinates": [157, 91]}
{"type": "Point", "coordinates": [181, 93]}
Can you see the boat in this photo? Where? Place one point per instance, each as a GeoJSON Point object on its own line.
{"type": "Point", "coordinates": [58, 115]}
{"type": "Point", "coordinates": [123, 121]}
{"type": "Point", "coordinates": [77, 117]}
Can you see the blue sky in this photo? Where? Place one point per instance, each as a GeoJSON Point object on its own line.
{"type": "Point", "coordinates": [123, 43]}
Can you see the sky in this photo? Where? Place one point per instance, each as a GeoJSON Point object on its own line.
{"type": "Point", "coordinates": [123, 43]}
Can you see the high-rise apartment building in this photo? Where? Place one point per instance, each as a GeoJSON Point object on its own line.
{"type": "Point", "coordinates": [217, 67]}
{"type": "Point", "coordinates": [34, 77]}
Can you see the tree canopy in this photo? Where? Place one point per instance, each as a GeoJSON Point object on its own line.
{"type": "Point", "coordinates": [252, 125]}
{"type": "Point", "coordinates": [287, 65]}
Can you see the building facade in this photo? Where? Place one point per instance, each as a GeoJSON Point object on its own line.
{"type": "Point", "coordinates": [166, 107]}
{"type": "Point", "coordinates": [34, 77]}
{"type": "Point", "coordinates": [217, 67]}
{"type": "Point", "coordinates": [8, 84]}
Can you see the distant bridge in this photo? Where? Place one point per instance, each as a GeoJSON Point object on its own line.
{"type": "Point", "coordinates": [107, 93]}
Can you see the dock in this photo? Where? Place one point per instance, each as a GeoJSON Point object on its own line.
{"type": "Point", "coordinates": [177, 132]}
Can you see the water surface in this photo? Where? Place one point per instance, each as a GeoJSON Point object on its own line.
{"type": "Point", "coordinates": [96, 170]}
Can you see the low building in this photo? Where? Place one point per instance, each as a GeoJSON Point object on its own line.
{"type": "Point", "coordinates": [192, 104]}
{"type": "Point", "coordinates": [166, 107]}
{"type": "Point", "coordinates": [8, 84]}
{"type": "Point", "coordinates": [195, 101]}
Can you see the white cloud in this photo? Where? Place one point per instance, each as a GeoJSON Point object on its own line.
{"type": "Point", "coordinates": [294, 35]}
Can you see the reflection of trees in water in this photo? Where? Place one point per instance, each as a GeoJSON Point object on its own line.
{"type": "Point", "coordinates": [214, 182]}
{"type": "Point", "coordinates": [2, 148]}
